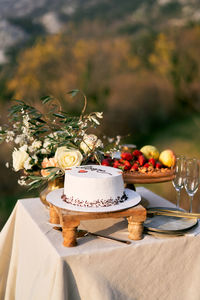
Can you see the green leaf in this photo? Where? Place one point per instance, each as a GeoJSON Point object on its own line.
{"type": "Point", "coordinates": [40, 120]}
{"type": "Point", "coordinates": [33, 177]}
{"type": "Point", "coordinates": [19, 101]}
{"type": "Point", "coordinates": [41, 131]}
{"type": "Point", "coordinates": [98, 156]}
{"type": "Point", "coordinates": [46, 99]}
{"type": "Point", "coordinates": [73, 92]}
{"type": "Point", "coordinates": [59, 116]}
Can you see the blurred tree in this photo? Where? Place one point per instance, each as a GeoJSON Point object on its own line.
{"type": "Point", "coordinates": [176, 57]}
{"type": "Point", "coordinates": [161, 57]}
{"type": "Point", "coordinates": [58, 64]}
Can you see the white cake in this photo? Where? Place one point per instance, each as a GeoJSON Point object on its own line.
{"type": "Point", "coordinates": [93, 186]}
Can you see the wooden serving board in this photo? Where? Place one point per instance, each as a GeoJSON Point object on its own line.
{"type": "Point", "coordinates": [154, 177]}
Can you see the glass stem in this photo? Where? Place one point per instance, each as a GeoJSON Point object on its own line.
{"type": "Point", "coordinates": [191, 198]}
{"type": "Point", "coordinates": [178, 199]}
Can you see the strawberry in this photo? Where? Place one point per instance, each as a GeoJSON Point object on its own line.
{"type": "Point", "coordinates": [158, 165]}
{"type": "Point", "coordinates": [127, 165]}
{"type": "Point", "coordinates": [152, 162]}
{"type": "Point", "coordinates": [134, 167]}
{"type": "Point", "coordinates": [105, 162]}
{"type": "Point", "coordinates": [146, 165]}
{"type": "Point", "coordinates": [116, 164]}
{"type": "Point", "coordinates": [137, 153]}
{"type": "Point", "coordinates": [126, 156]}
{"type": "Point", "coordinates": [141, 160]}
{"type": "Point", "coordinates": [121, 160]}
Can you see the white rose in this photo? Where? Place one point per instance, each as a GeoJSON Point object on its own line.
{"type": "Point", "coordinates": [90, 142]}
{"type": "Point", "coordinates": [67, 158]}
{"type": "Point", "coordinates": [19, 158]}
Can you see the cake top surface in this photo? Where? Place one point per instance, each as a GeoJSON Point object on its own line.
{"type": "Point", "coordinates": [93, 171]}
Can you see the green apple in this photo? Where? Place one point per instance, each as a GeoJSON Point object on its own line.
{"type": "Point", "coordinates": [150, 152]}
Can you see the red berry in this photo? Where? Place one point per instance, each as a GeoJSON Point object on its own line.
{"type": "Point", "coordinates": [127, 165]}
{"type": "Point", "coordinates": [121, 160]}
{"type": "Point", "coordinates": [116, 164]}
{"type": "Point", "coordinates": [141, 160]}
{"type": "Point", "coordinates": [146, 165]}
{"type": "Point", "coordinates": [137, 153]}
{"type": "Point", "coordinates": [158, 165]}
{"type": "Point", "coordinates": [152, 162]}
{"type": "Point", "coordinates": [105, 162]}
{"type": "Point", "coordinates": [126, 156]}
{"type": "Point", "coordinates": [134, 167]}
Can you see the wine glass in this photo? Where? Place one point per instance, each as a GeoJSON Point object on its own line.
{"type": "Point", "coordinates": [191, 178]}
{"type": "Point", "coordinates": [178, 181]}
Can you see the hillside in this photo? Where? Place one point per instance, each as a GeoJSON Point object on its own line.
{"type": "Point", "coordinates": [23, 20]}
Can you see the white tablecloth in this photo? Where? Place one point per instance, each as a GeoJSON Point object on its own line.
{"type": "Point", "coordinates": [34, 265]}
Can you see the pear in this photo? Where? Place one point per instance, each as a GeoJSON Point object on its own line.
{"type": "Point", "coordinates": [167, 158]}
{"type": "Point", "coordinates": [150, 151]}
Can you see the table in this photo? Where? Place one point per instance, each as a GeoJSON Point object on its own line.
{"type": "Point", "coordinates": [34, 264]}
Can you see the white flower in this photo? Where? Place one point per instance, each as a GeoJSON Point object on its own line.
{"type": "Point", "coordinates": [19, 139]}
{"type": "Point", "coordinates": [7, 165]}
{"type": "Point", "coordinates": [90, 142]}
{"type": "Point", "coordinates": [111, 140]}
{"type": "Point", "coordinates": [16, 125]}
{"type": "Point", "coordinates": [26, 119]}
{"type": "Point", "coordinates": [25, 130]}
{"type": "Point", "coordinates": [35, 158]}
{"type": "Point", "coordinates": [47, 143]}
{"type": "Point", "coordinates": [67, 158]}
{"type": "Point", "coordinates": [35, 145]}
{"type": "Point", "coordinates": [27, 164]}
{"type": "Point", "coordinates": [23, 148]}
{"type": "Point", "coordinates": [99, 144]}
{"type": "Point", "coordinates": [44, 151]}
{"type": "Point", "coordinates": [19, 157]}
{"type": "Point", "coordinates": [10, 136]}
{"type": "Point", "coordinates": [21, 181]}
{"type": "Point", "coordinates": [118, 139]}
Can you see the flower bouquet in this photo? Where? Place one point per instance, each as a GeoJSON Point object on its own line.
{"type": "Point", "coordinates": [47, 140]}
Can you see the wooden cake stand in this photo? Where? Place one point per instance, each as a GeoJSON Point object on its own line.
{"type": "Point", "coordinates": [70, 220]}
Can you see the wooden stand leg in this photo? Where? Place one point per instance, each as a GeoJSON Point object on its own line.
{"type": "Point", "coordinates": [69, 230]}
{"type": "Point", "coordinates": [135, 229]}
{"type": "Point", "coordinates": [53, 215]}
